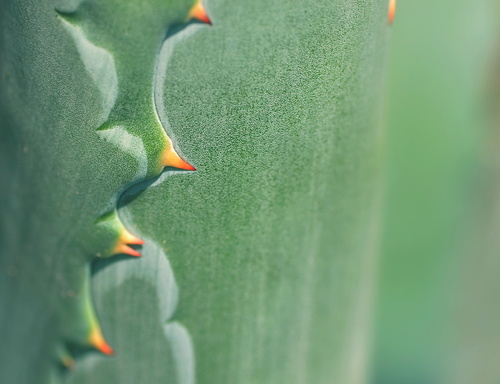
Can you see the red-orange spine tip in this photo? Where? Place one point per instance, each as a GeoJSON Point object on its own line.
{"type": "Point", "coordinates": [130, 251]}
{"type": "Point", "coordinates": [128, 238]}
{"type": "Point", "coordinates": [198, 12]}
{"type": "Point", "coordinates": [121, 248]}
{"type": "Point", "coordinates": [184, 165]}
{"type": "Point", "coordinates": [392, 11]}
{"type": "Point", "coordinates": [170, 158]}
{"type": "Point", "coordinates": [105, 348]}
{"type": "Point", "coordinates": [97, 341]}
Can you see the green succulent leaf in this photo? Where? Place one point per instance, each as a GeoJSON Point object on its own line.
{"type": "Point", "coordinates": [256, 268]}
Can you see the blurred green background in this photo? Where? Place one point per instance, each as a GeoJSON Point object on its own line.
{"type": "Point", "coordinates": [436, 314]}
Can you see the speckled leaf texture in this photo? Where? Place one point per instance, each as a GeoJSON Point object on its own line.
{"type": "Point", "coordinates": [257, 267]}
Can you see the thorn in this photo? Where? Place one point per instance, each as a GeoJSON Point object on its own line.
{"type": "Point", "coordinates": [124, 248]}
{"type": "Point", "coordinates": [128, 238]}
{"type": "Point", "coordinates": [68, 362]}
{"type": "Point", "coordinates": [198, 12]}
{"type": "Point", "coordinates": [97, 341]}
{"type": "Point", "coordinates": [122, 245]}
{"type": "Point", "coordinates": [392, 11]}
{"type": "Point", "coordinates": [65, 358]}
{"type": "Point", "coordinates": [170, 158]}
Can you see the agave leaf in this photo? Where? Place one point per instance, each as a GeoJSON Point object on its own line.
{"type": "Point", "coordinates": [271, 241]}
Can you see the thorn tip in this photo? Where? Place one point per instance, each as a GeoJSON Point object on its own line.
{"type": "Point", "coordinates": [170, 158]}
{"type": "Point", "coordinates": [125, 249]}
{"type": "Point", "coordinates": [128, 238]}
{"type": "Point", "coordinates": [68, 362]}
{"type": "Point", "coordinates": [199, 13]}
{"type": "Point", "coordinates": [392, 11]}
{"type": "Point", "coordinates": [97, 341]}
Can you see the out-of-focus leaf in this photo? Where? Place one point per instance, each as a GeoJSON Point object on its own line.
{"type": "Point", "coordinates": [439, 60]}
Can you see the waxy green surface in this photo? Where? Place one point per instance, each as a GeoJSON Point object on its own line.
{"type": "Point", "coordinates": [271, 240]}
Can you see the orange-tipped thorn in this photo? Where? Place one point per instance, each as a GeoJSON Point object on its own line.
{"type": "Point", "coordinates": [122, 245]}
{"type": "Point", "coordinates": [128, 238]}
{"type": "Point", "coordinates": [198, 12]}
{"type": "Point", "coordinates": [170, 158]}
{"type": "Point", "coordinates": [124, 248]}
{"type": "Point", "coordinates": [392, 11]}
{"type": "Point", "coordinates": [97, 341]}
